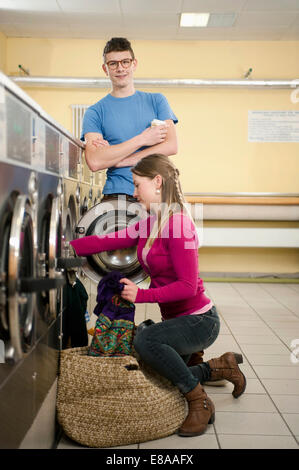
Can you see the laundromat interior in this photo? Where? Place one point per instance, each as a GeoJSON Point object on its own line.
{"type": "Point", "coordinates": [234, 87]}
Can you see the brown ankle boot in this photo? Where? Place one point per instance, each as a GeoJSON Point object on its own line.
{"type": "Point", "coordinates": [195, 359]}
{"type": "Point", "coordinates": [201, 413]}
{"type": "Point", "coordinates": [226, 367]}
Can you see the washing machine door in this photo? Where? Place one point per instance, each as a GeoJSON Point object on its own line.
{"type": "Point", "coordinates": [5, 226]}
{"type": "Point", "coordinates": [20, 268]}
{"type": "Point", "coordinates": [54, 253]}
{"type": "Point", "coordinates": [71, 217]}
{"type": "Point", "coordinates": [18, 281]}
{"type": "Point", "coordinates": [49, 253]}
{"type": "Point", "coordinates": [52, 259]}
{"type": "Point", "coordinates": [107, 217]}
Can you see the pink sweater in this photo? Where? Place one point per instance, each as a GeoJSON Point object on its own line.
{"type": "Point", "coordinates": [171, 262]}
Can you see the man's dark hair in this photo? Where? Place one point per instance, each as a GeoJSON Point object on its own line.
{"type": "Point", "coordinates": [118, 45]}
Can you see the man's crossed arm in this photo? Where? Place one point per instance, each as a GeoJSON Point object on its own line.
{"type": "Point", "coordinates": [158, 139]}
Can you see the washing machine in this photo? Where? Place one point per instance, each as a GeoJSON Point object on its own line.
{"type": "Point", "coordinates": [59, 158]}
{"type": "Point", "coordinates": [32, 261]}
{"type": "Point", "coordinates": [46, 157]}
{"type": "Point", "coordinates": [25, 328]}
{"type": "Point", "coordinates": [98, 217]}
{"type": "Point", "coordinates": [59, 203]}
{"type": "Point", "coordinates": [105, 217]}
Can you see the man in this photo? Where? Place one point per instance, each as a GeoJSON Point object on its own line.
{"type": "Point", "coordinates": [117, 129]}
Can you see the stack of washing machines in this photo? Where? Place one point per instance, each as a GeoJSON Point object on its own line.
{"type": "Point", "coordinates": [44, 189]}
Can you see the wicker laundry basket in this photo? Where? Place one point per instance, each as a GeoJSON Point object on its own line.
{"type": "Point", "coordinates": [113, 401]}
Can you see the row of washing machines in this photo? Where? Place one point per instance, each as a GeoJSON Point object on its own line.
{"type": "Point", "coordinates": [48, 196]}
{"type": "Point", "coordinates": [45, 189]}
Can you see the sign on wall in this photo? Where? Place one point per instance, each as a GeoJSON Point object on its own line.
{"type": "Point", "coordinates": [273, 126]}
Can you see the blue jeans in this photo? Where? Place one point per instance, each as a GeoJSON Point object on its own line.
{"type": "Point", "coordinates": [168, 345]}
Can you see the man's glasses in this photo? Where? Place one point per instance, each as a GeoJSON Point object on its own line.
{"type": "Point", "coordinates": [125, 63]}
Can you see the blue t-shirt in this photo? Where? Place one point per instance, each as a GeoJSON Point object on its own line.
{"type": "Point", "coordinates": [120, 119]}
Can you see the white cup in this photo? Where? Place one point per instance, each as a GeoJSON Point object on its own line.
{"type": "Point", "coordinates": [157, 122]}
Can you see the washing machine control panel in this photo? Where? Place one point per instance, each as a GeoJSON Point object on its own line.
{"type": "Point", "coordinates": [28, 140]}
{"type": "Point", "coordinates": [18, 130]}
{"type": "Point", "coordinates": [52, 150]}
{"type": "Point", "coordinates": [38, 144]}
{"type": "Point", "coordinates": [73, 161]}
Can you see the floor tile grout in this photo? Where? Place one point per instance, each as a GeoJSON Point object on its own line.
{"type": "Point", "coordinates": [261, 318]}
{"type": "Point", "coordinates": [263, 287]}
{"type": "Point", "coordinates": [216, 435]}
{"type": "Point", "coordinates": [235, 339]}
{"type": "Point", "coordinates": [251, 365]}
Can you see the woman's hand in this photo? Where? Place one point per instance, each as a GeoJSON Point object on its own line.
{"type": "Point", "coordinates": [129, 291]}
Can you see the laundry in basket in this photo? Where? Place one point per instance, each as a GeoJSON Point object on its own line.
{"type": "Point", "coordinates": [114, 328]}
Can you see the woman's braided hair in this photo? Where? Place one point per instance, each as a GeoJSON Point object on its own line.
{"type": "Point", "coordinates": [178, 187]}
{"type": "Point", "coordinates": [171, 191]}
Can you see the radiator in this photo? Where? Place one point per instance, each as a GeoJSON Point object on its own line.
{"type": "Point", "coordinates": [78, 111]}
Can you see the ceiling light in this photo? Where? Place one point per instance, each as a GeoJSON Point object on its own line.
{"type": "Point", "coordinates": [222, 20]}
{"type": "Point", "coordinates": [194, 20]}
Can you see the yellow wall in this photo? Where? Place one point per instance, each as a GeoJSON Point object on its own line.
{"type": "Point", "coordinates": [3, 45]}
{"type": "Point", "coordinates": [248, 260]}
{"type": "Point", "coordinates": [214, 153]}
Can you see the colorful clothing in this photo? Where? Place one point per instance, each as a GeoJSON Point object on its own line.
{"type": "Point", "coordinates": [114, 328]}
{"type": "Point", "coordinates": [112, 338]}
{"type": "Point", "coordinates": [109, 301]}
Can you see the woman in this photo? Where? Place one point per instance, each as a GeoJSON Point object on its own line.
{"type": "Point", "coordinates": [167, 248]}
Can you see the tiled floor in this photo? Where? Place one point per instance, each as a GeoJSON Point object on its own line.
{"type": "Point", "coordinates": [260, 321]}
